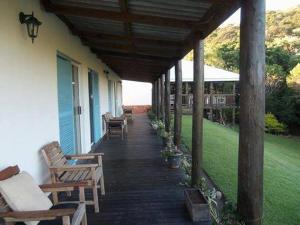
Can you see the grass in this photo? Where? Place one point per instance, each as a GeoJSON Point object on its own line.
{"type": "Point", "coordinates": [281, 169]}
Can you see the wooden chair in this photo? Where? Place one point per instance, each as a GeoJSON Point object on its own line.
{"type": "Point", "coordinates": [62, 172]}
{"type": "Point", "coordinates": [128, 113]}
{"type": "Point", "coordinates": [69, 216]}
{"type": "Point", "coordinates": [115, 125]}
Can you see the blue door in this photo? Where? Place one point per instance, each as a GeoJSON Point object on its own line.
{"type": "Point", "coordinates": [94, 106]}
{"type": "Point", "coordinates": [65, 106]}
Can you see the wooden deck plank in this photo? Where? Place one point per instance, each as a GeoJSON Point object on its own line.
{"type": "Point", "coordinates": [140, 190]}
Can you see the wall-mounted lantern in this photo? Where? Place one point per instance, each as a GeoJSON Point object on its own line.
{"type": "Point", "coordinates": [32, 24]}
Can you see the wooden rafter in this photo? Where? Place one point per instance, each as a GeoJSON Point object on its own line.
{"type": "Point", "coordinates": [127, 25]}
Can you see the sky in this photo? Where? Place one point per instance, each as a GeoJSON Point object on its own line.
{"type": "Point", "coordinates": [138, 93]}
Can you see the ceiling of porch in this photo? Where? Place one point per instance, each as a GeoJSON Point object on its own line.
{"type": "Point", "coordinates": [141, 39]}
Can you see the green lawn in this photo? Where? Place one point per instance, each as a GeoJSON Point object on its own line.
{"type": "Point", "coordinates": [281, 169]}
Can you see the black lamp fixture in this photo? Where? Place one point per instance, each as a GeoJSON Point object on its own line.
{"type": "Point", "coordinates": [32, 24]}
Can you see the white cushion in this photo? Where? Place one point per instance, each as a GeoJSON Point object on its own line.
{"type": "Point", "coordinates": [22, 194]}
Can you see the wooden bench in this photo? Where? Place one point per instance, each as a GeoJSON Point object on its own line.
{"type": "Point", "coordinates": [78, 214]}
{"type": "Point", "coordinates": [62, 172]}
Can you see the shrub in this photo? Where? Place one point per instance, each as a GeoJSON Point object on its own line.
{"type": "Point", "coordinates": [151, 115]}
{"type": "Point", "coordinates": [273, 126]}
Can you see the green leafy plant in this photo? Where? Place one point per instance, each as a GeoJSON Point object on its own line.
{"type": "Point", "coordinates": [154, 124]}
{"type": "Point", "coordinates": [161, 125]}
{"type": "Point", "coordinates": [272, 125]}
{"type": "Point", "coordinates": [230, 216]}
{"type": "Point", "coordinates": [151, 116]}
{"type": "Point", "coordinates": [211, 196]}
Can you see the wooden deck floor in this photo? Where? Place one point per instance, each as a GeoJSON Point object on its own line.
{"type": "Point", "coordinates": [139, 189]}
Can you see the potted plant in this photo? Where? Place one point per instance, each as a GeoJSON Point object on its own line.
{"type": "Point", "coordinates": [171, 154]}
{"type": "Point", "coordinates": [154, 125]}
{"type": "Point", "coordinates": [161, 128]}
{"type": "Point", "coordinates": [174, 159]}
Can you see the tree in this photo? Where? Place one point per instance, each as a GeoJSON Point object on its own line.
{"type": "Point", "coordinates": [229, 54]}
{"type": "Point", "coordinates": [293, 80]}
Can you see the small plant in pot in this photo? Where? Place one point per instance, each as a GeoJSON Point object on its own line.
{"type": "Point", "coordinates": [161, 128]}
{"type": "Point", "coordinates": [154, 124]}
{"type": "Point", "coordinates": [171, 154]}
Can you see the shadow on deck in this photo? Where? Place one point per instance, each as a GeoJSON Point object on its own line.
{"type": "Point", "coordinates": [139, 189]}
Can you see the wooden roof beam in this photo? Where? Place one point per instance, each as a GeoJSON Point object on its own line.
{"type": "Point", "coordinates": [68, 10]}
{"type": "Point", "coordinates": [136, 40]}
{"type": "Point", "coordinates": [130, 55]}
{"type": "Point", "coordinates": [128, 46]}
{"type": "Point", "coordinates": [147, 62]}
{"type": "Point", "coordinates": [123, 49]}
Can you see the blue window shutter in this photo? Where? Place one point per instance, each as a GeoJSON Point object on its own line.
{"type": "Point", "coordinates": [96, 103]}
{"type": "Point", "coordinates": [65, 106]}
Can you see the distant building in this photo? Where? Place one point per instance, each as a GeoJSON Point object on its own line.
{"type": "Point", "coordinates": [219, 92]}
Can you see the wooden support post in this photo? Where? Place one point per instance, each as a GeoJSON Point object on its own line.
{"type": "Point", "coordinates": [252, 111]}
{"type": "Point", "coordinates": [159, 98]}
{"type": "Point", "coordinates": [162, 104]}
{"type": "Point", "coordinates": [186, 88]}
{"type": "Point", "coordinates": [153, 97]}
{"type": "Point", "coordinates": [198, 108]}
{"type": "Point", "coordinates": [211, 89]}
{"type": "Point", "coordinates": [233, 108]}
{"type": "Point", "coordinates": [167, 101]}
{"type": "Point", "coordinates": [156, 99]}
{"type": "Point", "coordinates": [178, 103]}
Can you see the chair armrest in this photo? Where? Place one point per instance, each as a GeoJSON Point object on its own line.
{"type": "Point", "coordinates": [117, 119]}
{"type": "Point", "coordinates": [118, 122]}
{"type": "Point", "coordinates": [50, 214]}
{"type": "Point", "coordinates": [58, 187]}
{"type": "Point", "coordinates": [84, 156]}
{"type": "Point", "coordinates": [72, 167]}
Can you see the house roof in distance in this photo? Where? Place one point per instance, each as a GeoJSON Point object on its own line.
{"type": "Point", "coordinates": [210, 73]}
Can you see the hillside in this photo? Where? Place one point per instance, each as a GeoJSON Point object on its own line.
{"type": "Point", "coordinates": [282, 30]}
{"type": "Point", "coordinates": [282, 60]}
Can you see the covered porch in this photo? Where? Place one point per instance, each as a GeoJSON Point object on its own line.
{"type": "Point", "coordinates": [141, 41]}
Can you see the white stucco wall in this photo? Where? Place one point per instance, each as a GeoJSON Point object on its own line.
{"type": "Point", "coordinates": [28, 85]}
{"type": "Point", "coordinates": [136, 93]}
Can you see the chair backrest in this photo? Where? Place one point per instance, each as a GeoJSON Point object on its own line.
{"type": "Point", "coordinates": [5, 174]}
{"type": "Point", "coordinates": [107, 116]}
{"type": "Point", "coordinates": [53, 154]}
